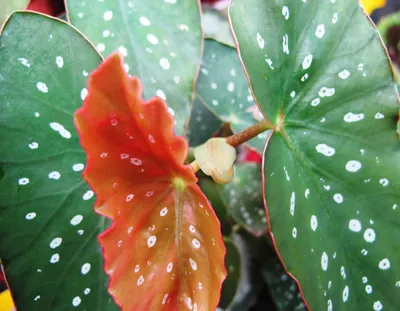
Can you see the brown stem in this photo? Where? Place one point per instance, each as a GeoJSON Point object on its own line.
{"type": "Point", "coordinates": [249, 133]}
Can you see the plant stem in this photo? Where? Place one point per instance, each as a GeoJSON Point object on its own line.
{"type": "Point", "coordinates": [249, 133]}
{"type": "Point", "coordinates": [235, 140]}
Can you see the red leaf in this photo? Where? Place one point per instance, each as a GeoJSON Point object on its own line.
{"type": "Point", "coordinates": [50, 7]}
{"type": "Point", "coordinates": [164, 250]}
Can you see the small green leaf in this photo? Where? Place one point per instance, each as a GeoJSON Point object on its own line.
{"type": "Point", "coordinates": [233, 266]}
{"type": "Point", "coordinates": [223, 87]}
{"type": "Point", "coordinates": [331, 170]}
{"type": "Point", "coordinates": [48, 229]}
{"type": "Point", "coordinates": [8, 6]}
{"type": "Point", "coordinates": [244, 198]}
{"type": "Point", "coordinates": [160, 40]}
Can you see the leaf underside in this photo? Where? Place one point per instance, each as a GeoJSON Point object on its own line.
{"type": "Point", "coordinates": [165, 243]}
{"type": "Point", "coordinates": [160, 40]}
{"type": "Point", "coordinates": [331, 170]}
{"type": "Point", "coordinates": [48, 228]}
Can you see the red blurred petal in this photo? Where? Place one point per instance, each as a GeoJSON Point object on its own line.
{"type": "Point", "coordinates": [164, 250]}
{"type": "Point", "coordinates": [50, 7]}
{"type": "Point", "coordinates": [249, 155]}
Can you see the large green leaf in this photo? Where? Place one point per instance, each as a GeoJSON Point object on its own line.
{"type": "Point", "coordinates": [244, 198]}
{"type": "Point", "coordinates": [223, 87]}
{"type": "Point", "coordinates": [48, 229]}
{"type": "Point", "coordinates": [331, 170]}
{"type": "Point", "coordinates": [7, 6]}
{"type": "Point", "coordinates": [161, 41]}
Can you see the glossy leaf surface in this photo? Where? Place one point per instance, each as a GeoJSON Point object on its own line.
{"type": "Point", "coordinates": [160, 40]}
{"type": "Point", "coordinates": [165, 242]}
{"type": "Point", "coordinates": [331, 168]}
{"type": "Point", "coordinates": [48, 227]}
{"type": "Point", "coordinates": [244, 198]}
{"type": "Point", "coordinates": [223, 87]}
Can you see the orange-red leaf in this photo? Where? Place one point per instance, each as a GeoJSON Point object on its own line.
{"type": "Point", "coordinates": [164, 250]}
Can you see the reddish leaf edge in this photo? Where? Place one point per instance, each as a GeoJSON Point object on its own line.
{"type": "Point", "coordinates": [99, 198]}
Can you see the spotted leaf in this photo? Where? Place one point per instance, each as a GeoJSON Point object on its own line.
{"type": "Point", "coordinates": [223, 88]}
{"type": "Point", "coordinates": [161, 41]}
{"type": "Point", "coordinates": [244, 198]}
{"type": "Point", "coordinates": [48, 228]}
{"type": "Point", "coordinates": [165, 242]}
{"type": "Point", "coordinates": [331, 171]}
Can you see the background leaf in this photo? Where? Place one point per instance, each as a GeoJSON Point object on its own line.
{"type": "Point", "coordinates": [203, 124]}
{"type": "Point", "coordinates": [244, 198]}
{"type": "Point", "coordinates": [160, 40]}
{"type": "Point", "coordinates": [48, 230]}
{"type": "Point", "coordinates": [283, 288]}
{"type": "Point", "coordinates": [223, 88]}
{"type": "Point", "coordinates": [8, 6]}
{"type": "Point", "coordinates": [233, 266]}
{"type": "Point", "coordinates": [331, 169]}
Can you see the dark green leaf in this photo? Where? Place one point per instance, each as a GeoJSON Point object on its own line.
{"type": "Point", "coordinates": [232, 264]}
{"type": "Point", "coordinates": [223, 87]}
{"type": "Point", "coordinates": [213, 192]}
{"type": "Point", "coordinates": [48, 229]}
{"type": "Point", "coordinates": [284, 290]}
{"type": "Point", "coordinates": [252, 253]}
{"type": "Point", "coordinates": [244, 198]}
{"type": "Point", "coordinates": [161, 41]}
{"type": "Point", "coordinates": [322, 77]}
{"type": "Point", "coordinates": [203, 124]}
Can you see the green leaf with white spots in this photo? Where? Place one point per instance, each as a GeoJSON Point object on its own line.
{"type": "Point", "coordinates": [161, 41]}
{"type": "Point", "coordinates": [203, 124]}
{"type": "Point", "coordinates": [223, 87]}
{"type": "Point", "coordinates": [331, 168]}
{"type": "Point", "coordinates": [48, 229]}
{"type": "Point", "coordinates": [244, 198]}
{"type": "Point", "coordinates": [8, 6]}
{"type": "Point", "coordinates": [233, 266]}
